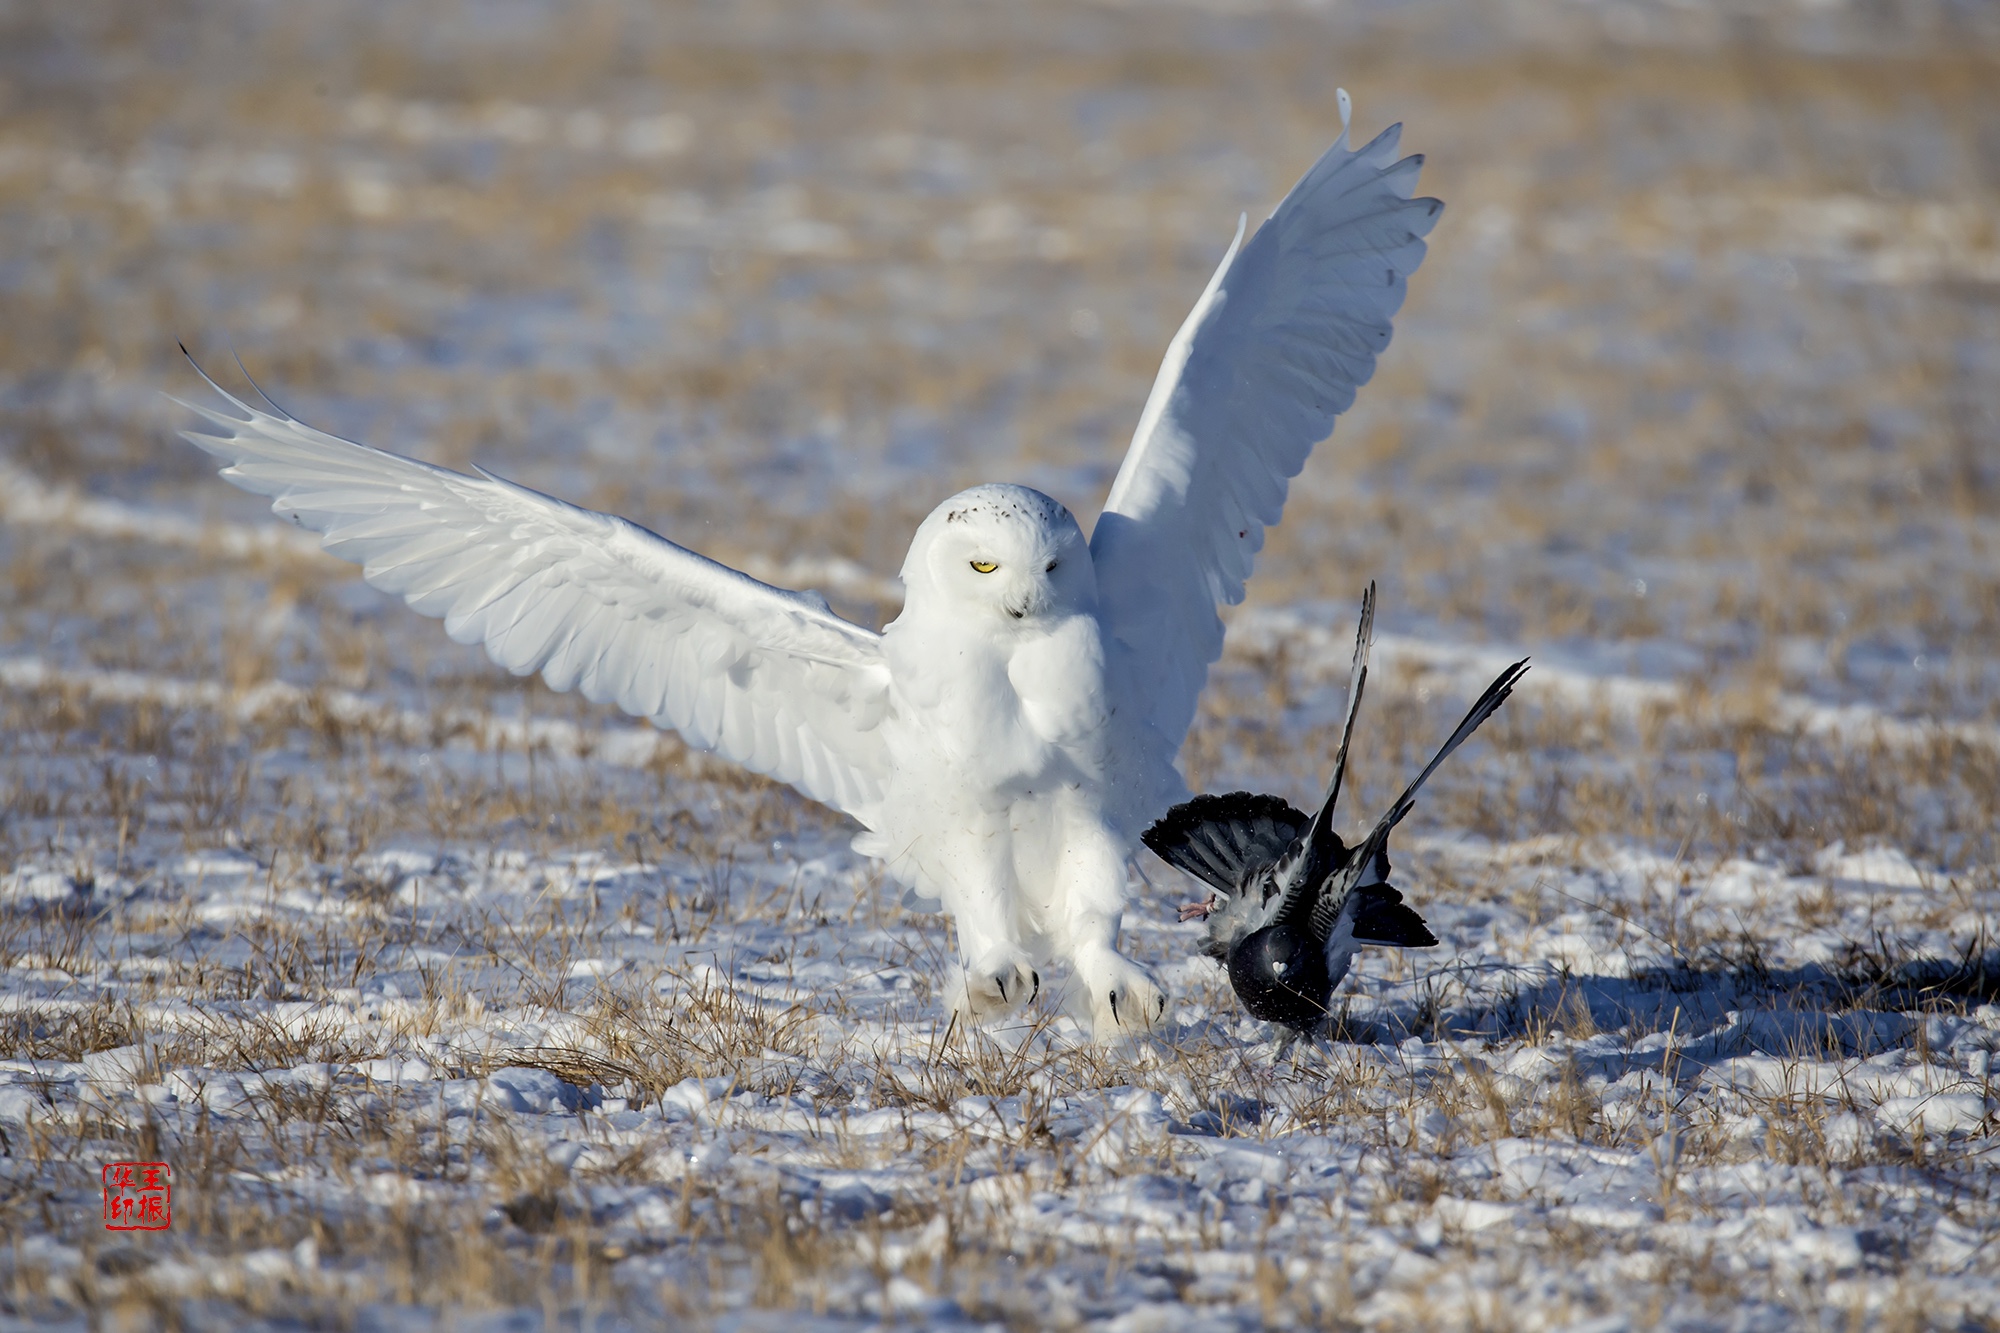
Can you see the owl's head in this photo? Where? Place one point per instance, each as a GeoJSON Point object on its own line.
{"type": "Point", "coordinates": [1007, 551]}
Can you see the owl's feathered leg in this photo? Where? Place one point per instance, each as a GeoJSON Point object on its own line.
{"type": "Point", "coordinates": [996, 974]}
{"type": "Point", "coordinates": [1082, 924]}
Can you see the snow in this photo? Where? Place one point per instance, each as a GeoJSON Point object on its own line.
{"type": "Point", "coordinates": [1202, 1157]}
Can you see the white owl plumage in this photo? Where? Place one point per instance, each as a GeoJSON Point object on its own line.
{"type": "Point", "coordinates": [1006, 738]}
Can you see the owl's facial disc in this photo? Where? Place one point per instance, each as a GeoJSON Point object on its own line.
{"type": "Point", "coordinates": [1005, 550]}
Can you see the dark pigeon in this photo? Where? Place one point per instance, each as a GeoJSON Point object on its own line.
{"type": "Point", "coordinates": [1291, 902]}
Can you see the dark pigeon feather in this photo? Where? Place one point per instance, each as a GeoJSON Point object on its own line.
{"type": "Point", "coordinates": [1369, 864]}
{"type": "Point", "coordinates": [1382, 917]}
{"type": "Point", "coordinates": [1222, 839]}
{"type": "Point", "coordinates": [1319, 852]}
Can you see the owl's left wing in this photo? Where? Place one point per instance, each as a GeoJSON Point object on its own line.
{"type": "Point", "coordinates": [770, 679]}
{"type": "Point", "coordinates": [1288, 328]}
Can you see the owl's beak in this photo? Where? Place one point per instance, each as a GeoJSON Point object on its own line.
{"type": "Point", "coordinates": [1036, 598]}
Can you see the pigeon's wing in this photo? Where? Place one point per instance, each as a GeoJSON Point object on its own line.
{"type": "Point", "coordinates": [1374, 914]}
{"type": "Point", "coordinates": [1320, 853]}
{"type": "Point", "coordinates": [1217, 839]}
{"type": "Point", "coordinates": [1486, 706]}
{"type": "Point", "coordinates": [1382, 917]}
{"type": "Point", "coordinates": [1357, 680]}
{"type": "Point", "coordinates": [1363, 888]}
{"type": "Point", "coordinates": [768, 678]}
{"type": "Point", "coordinates": [1369, 865]}
{"type": "Point", "coordinates": [1288, 328]}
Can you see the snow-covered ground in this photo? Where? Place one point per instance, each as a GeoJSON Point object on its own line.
{"type": "Point", "coordinates": [451, 1002]}
{"type": "Point", "coordinates": [714, 1077]}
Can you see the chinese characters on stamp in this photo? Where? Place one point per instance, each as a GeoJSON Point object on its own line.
{"type": "Point", "coordinates": [138, 1196]}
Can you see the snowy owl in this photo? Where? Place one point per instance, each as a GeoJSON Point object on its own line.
{"type": "Point", "coordinates": [1004, 741]}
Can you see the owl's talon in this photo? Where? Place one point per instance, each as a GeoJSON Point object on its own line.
{"type": "Point", "coordinates": [995, 986]}
{"type": "Point", "coordinates": [1125, 1001]}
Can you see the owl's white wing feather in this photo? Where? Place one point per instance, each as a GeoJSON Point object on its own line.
{"type": "Point", "coordinates": [770, 679]}
{"type": "Point", "coordinates": [1288, 328]}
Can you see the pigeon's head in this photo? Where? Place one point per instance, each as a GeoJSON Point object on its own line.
{"type": "Point", "coordinates": [1008, 551]}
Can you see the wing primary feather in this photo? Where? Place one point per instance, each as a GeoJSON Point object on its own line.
{"type": "Point", "coordinates": [257, 388]}
{"type": "Point", "coordinates": [1357, 678]}
{"type": "Point", "coordinates": [1318, 852]}
{"type": "Point", "coordinates": [1487, 704]}
{"type": "Point", "coordinates": [1368, 866]}
{"type": "Point", "coordinates": [204, 376]}
{"type": "Point", "coordinates": [772, 678]}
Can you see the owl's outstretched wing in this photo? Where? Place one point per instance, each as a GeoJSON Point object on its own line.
{"type": "Point", "coordinates": [770, 679]}
{"type": "Point", "coordinates": [1288, 328]}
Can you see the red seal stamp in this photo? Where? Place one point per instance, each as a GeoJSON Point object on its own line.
{"type": "Point", "coordinates": [138, 1196]}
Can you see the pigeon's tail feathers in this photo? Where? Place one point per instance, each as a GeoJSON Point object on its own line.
{"type": "Point", "coordinates": [1382, 917]}
{"type": "Point", "coordinates": [1222, 839]}
{"type": "Point", "coordinates": [1488, 704]}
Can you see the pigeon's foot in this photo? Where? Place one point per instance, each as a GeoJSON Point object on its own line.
{"type": "Point", "coordinates": [1124, 1000]}
{"type": "Point", "coordinates": [1299, 1045]}
{"type": "Point", "coordinates": [997, 984]}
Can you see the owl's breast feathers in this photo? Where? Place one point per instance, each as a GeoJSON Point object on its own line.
{"type": "Point", "coordinates": [1058, 677]}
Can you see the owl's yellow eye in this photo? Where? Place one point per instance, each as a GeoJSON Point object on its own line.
{"type": "Point", "coordinates": [984, 566]}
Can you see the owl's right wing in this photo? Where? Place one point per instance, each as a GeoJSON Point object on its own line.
{"type": "Point", "coordinates": [1288, 329]}
{"type": "Point", "coordinates": [770, 679]}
